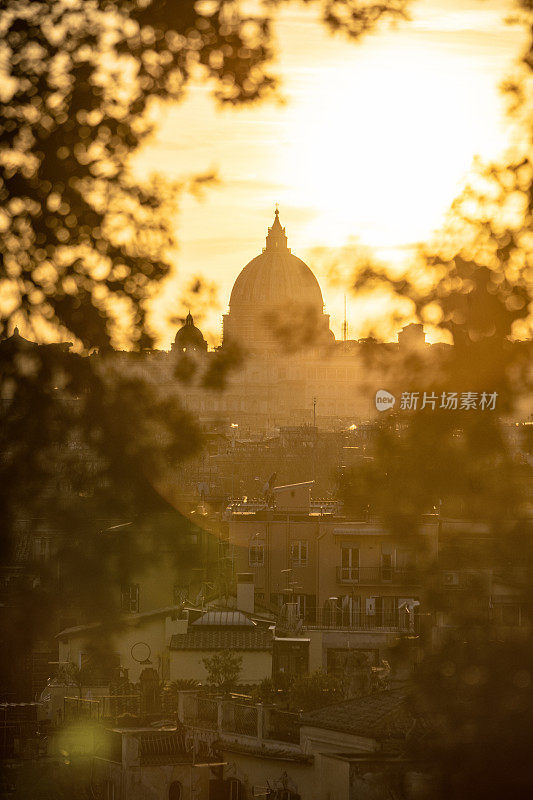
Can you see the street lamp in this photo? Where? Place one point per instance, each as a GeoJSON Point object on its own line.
{"type": "Point", "coordinates": [334, 609]}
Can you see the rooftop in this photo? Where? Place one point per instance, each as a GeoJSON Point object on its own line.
{"type": "Point", "coordinates": [377, 715]}
{"type": "Point", "coordinates": [130, 619]}
{"type": "Point", "coordinates": [223, 639]}
{"type": "Point", "coordinates": [230, 618]}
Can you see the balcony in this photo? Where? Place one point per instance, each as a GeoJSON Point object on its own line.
{"type": "Point", "coordinates": [376, 575]}
{"type": "Point", "coordinates": [105, 707]}
{"type": "Point", "coordinates": [248, 723]}
{"type": "Point", "coordinates": [397, 620]}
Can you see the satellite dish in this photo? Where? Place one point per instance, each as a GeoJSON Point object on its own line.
{"type": "Point", "coordinates": [140, 652]}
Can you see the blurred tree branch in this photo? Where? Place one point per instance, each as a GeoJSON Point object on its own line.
{"type": "Point", "coordinates": [82, 244]}
{"type": "Point", "coordinates": [473, 690]}
{"type": "Point", "coordinates": [83, 247]}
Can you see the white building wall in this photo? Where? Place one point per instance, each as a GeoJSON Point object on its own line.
{"type": "Point", "coordinates": [188, 664]}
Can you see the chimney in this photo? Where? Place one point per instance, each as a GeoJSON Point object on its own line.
{"type": "Point", "coordinates": [245, 592]}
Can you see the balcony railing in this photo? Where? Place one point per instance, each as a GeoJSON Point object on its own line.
{"type": "Point", "coordinates": [315, 508]}
{"type": "Point", "coordinates": [207, 712]}
{"type": "Point", "coordinates": [100, 708]}
{"type": "Point", "coordinates": [398, 620]}
{"type": "Point", "coordinates": [372, 575]}
{"type": "Point", "coordinates": [161, 748]}
{"type": "Point", "coordinates": [239, 718]}
{"type": "Point", "coordinates": [230, 718]}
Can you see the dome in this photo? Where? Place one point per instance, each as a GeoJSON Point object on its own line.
{"type": "Point", "coordinates": [276, 303]}
{"type": "Point", "coordinates": [276, 277]}
{"type": "Point", "coordinates": [189, 337]}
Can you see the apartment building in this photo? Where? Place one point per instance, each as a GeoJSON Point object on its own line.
{"type": "Point", "coordinates": [352, 584]}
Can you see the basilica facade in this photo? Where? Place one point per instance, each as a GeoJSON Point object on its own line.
{"type": "Point", "coordinates": [293, 370]}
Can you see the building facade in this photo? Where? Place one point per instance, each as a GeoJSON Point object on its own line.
{"type": "Point", "coordinates": [348, 584]}
{"type": "Point", "coordinates": [290, 369]}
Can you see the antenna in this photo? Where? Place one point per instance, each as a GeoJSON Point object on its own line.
{"type": "Point", "coordinates": [345, 324]}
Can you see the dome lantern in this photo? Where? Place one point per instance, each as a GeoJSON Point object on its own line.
{"type": "Point", "coordinates": [276, 238]}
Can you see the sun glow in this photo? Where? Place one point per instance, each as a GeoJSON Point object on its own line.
{"type": "Point", "coordinates": [383, 146]}
{"type": "Point", "coordinates": [372, 147]}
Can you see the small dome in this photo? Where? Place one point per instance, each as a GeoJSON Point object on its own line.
{"type": "Point", "coordinates": [189, 337]}
{"type": "Point", "coordinates": [276, 277]}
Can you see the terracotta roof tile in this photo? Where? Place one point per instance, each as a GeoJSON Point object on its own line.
{"type": "Point", "coordinates": [223, 639]}
{"type": "Point", "coordinates": [376, 716]}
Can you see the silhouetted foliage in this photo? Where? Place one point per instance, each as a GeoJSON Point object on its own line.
{"type": "Point", "coordinates": [83, 245]}
{"type": "Point", "coordinates": [223, 670]}
{"type": "Point", "coordinates": [81, 240]}
{"type": "Point", "coordinates": [313, 691]}
{"type": "Point", "coordinates": [473, 688]}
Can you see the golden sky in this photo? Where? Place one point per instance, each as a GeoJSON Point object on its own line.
{"type": "Point", "coordinates": [372, 144]}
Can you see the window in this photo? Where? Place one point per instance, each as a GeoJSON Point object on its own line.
{"type": "Point", "coordinates": [350, 611]}
{"type": "Point", "coordinates": [305, 606]}
{"type": "Point", "coordinates": [300, 553]}
{"type": "Point", "coordinates": [174, 791]}
{"type": "Point", "coordinates": [386, 566]}
{"type": "Point", "coordinates": [130, 598]}
{"type": "Point", "coordinates": [349, 564]}
{"type": "Point", "coordinates": [256, 555]}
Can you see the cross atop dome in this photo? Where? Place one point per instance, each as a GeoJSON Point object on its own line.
{"type": "Point", "coordinates": [276, 239]}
